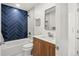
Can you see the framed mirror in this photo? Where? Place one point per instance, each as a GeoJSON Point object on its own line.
{"type": "Point", "coordinates": [50, 18]}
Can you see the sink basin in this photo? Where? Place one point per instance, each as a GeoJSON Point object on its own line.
{"type": "Point", "coordinates": [46, 38]}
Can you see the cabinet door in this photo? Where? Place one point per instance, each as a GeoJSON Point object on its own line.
{"type": "Point", "coordinates": [43, 48]}
{"type": "Point", "coordinates": [35, 50]}
{"type": "Point", "coordinates": [51, 50]}
{"type": "Point", "coordinates": [47, 49]}
{"type": "Point", "coordinates": [37, 47]}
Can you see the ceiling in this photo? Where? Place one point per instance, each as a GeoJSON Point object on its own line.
{"type": "Point", "coordinates": [24, 6]}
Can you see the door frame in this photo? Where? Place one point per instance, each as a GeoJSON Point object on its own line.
{"type": "Point", "coordinates": [77, 29]}
{"type": "Point", "coordinates": [0, 28]}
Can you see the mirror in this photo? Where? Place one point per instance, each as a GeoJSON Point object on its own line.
{"type": "Point", "coordinates": [50, 18]}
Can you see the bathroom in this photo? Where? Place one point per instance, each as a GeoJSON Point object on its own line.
{"type": "Point", "coordinates": [17, 46]}
{"type": "Point", "coordinates": [37, 29]}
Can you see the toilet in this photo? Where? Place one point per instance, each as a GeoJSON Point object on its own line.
{"type": "Point", "coordinates": [27, 48]}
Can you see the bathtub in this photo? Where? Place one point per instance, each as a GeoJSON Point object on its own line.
{"type": "Point", "coordinates": [14, 48]}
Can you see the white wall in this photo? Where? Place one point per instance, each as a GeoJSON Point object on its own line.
{"type": "Point", "coordinates": [62, 29]}
{"type": "Point", "coordinates": [40, 13]}
{"type": "Point", "coordinates": [31, 21]}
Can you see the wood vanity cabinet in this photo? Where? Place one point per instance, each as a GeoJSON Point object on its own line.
{"type": "Point", "coordinates": [42, 48]}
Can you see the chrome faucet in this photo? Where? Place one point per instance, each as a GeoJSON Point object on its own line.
{"type": "Point", "coordinates": [50, 35]}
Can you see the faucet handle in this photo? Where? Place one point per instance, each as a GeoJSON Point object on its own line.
{"type": "Point", "coordinates": [50, 35]}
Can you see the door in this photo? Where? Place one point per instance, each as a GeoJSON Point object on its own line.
{"type": "Point", "coordinates": [61, 29]}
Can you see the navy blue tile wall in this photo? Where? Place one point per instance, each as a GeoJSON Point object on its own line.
{"type": "Point", "coordinates": [14, 23]}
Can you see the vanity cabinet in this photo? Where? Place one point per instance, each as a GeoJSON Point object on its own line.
{"type": "Point", "coordinates": [42, 48]}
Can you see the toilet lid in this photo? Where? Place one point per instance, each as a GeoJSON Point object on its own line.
{"type": "Point", "coordinates": [28, 45]}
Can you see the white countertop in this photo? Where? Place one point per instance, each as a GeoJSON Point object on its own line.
{"type": "Point", "coordinates": [46, 38]}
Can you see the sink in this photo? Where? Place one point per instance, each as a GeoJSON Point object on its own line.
{"type": "Point", "coordinates": [46, 38]}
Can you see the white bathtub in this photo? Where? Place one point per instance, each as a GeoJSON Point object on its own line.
{"type": "Point", "coordinates": [14, 48]}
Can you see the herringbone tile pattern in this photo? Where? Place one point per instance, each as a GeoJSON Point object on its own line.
{"type": "Point", "coordinates": [14, 23]}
